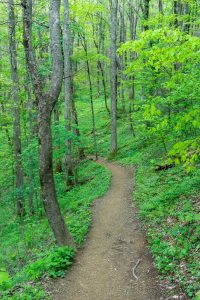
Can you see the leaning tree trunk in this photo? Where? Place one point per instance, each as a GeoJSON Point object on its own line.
{"type": "Point", "coordinates": [51, 205]}
{"type": "Point", "coordinates": [45, 104]}
{"type": "Point", "coordinates": [16, 124]}
{"type": "Point", "coordinates": [113, 77]}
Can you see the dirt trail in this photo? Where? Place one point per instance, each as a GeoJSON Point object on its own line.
{"type": "Point", "coordinates": [104, 268]}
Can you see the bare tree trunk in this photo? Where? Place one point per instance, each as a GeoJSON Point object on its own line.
{"type": "Point", "coordinates": [68, 93]}
{"type": "Point", "coordinates": [102, 65]}
{"type": "Point", "coordinates": [113, 77]}
{"type": "Point", "coordinates": [10, 142]}
{"type": "Point", "coordinates": [122, 63]}
{"type": "Point", "coordinates": [146, 14]}
{"type": "Point", "coordinates": [133, 19]}
{"type": "Point", "coordinates": [16, 124]}
{"type": "Point", "coordinates": [58, 163]}
{"type": "Point", "coordinates": [9, 139]}
{"type": "Point", "coordinates": [104, 86]}
{"type": "Point", "coordinates": [177, 12]}
{"type": "Point", "coordinates": [33, 132]}
{"type": "Point", "coordinates": [186, 12]}
{"type": "Point", "coordinates": [99, 64]}
{"type": "Point", "coordinates": [91, 97]}
{"type": "Point", "coordinates": [46, 102]}
{"type": "Point", "coordinates": [160, 5]}
{"type": "Point", "coordinates": [74, 115]}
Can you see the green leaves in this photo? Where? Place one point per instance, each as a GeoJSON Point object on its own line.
{"type": "Point", "coordinates": [4, 276]}
{"type": "Point", "coordinates": [54, 264]}
{"type": "Point", "coordinates": [186, 152]}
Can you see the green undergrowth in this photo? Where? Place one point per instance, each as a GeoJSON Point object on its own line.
{"type": "Point", "coordinates": [167, 201]}
{"type": "Point", "coordinates": [28, 252]}
{"type": "Point", "coordinates": [168, 204]}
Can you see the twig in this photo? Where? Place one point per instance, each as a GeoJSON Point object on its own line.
{"type": "Point", "coordinates": [134, 268]}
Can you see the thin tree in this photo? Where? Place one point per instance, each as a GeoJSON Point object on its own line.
{"type": "Point", "coordinates": [99, 47]}
{"type": "Point", "coordinates": [68, 91]}
{"type": "Point", "coordinates": [123, 56]}
{"type": "Point", "coordinates": [113, 76]}
{"type": "Point", "coordinates": [133, 20]}
{"type": "Point", "coordinates": [160, 6]}
{"type": "Point", "coordinates": [145, 10]}
{"type": "Point", "coordinates": [33, 132]}
{"type": "Point", "coordinates": [46, 101]}
{"type": "Point", "coordinates": [16, 124]}
{"type": "Point", "coordinates": [85, 47]}
{"type": "Point", "coordinates": [58, 162]}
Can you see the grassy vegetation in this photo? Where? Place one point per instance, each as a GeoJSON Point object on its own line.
{"type": "Point", "coordinates": [167, 203]}
{"type": "Point", "coordinates": [28, 249]}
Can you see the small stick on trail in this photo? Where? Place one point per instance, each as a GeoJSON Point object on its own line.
{"type": "Point", "coordinates": [134, 268]}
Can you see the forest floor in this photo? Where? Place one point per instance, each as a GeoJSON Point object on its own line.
{"type": "Point", "coordinates": [115, 262]}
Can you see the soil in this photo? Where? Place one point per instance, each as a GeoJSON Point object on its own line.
{"type": "Point", "coordinates": [115, 263]}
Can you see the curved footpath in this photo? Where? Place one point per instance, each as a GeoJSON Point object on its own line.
{"type": "Point", "coordinates": [115, 263]}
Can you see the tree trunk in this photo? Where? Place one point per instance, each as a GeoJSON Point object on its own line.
{"type": "Point", "coordinates": [122, 63]}
{"type": "Point", "coordinates": [186, 12]}
{"type": "Point", "coordinates": [68, 90]}
{"type": "Point", "coordinates": [58, 163]}
{"type": "Point", "coordinates": [133, 19]}
{"type": "Point", "coordinates": [33, 132]}
{"type": "Point", "coordinates": [46, 102]}
{"type": "Point", "coordinates": [146, 14]}
{"type": "Point", "coordinates": [16, 124]}
{"type": "Point", "coordinates": [91, 96]}
{"type": "Point", "coordinates": [76, 130]}
{"type": "Point", "coordinates": [104, 86]}
{"type": "Point", "coordinates": [160, 5]}
{"type": "Point", "coordinates": [176, 8]}
{"type": "Point", "coordinates": [113, 77]}
{"type": "Point", "coordinates": [99, 64]}
{"type": "Point", "coordinates": [46, 176]}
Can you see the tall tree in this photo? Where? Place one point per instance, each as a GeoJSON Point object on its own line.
{"type": "Point", "coordinates": [113, 76]}
{"type": "Point", "coordinates": [99, 45]}
{"type": "Point", "coordinates": [68, 91]}
{"type": "Point", "coordinates": [16, 124]}
{"type": "Point", "coordinates": [123, 56]}
{"type": "Point", "coordinates": [85, 47]}
{"type": "Point", "coordinates": [33, 132]}
{"type": "Point", "coordinates": [133, 20]}
{"type": "Point", "coordinates": [46, 100]}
